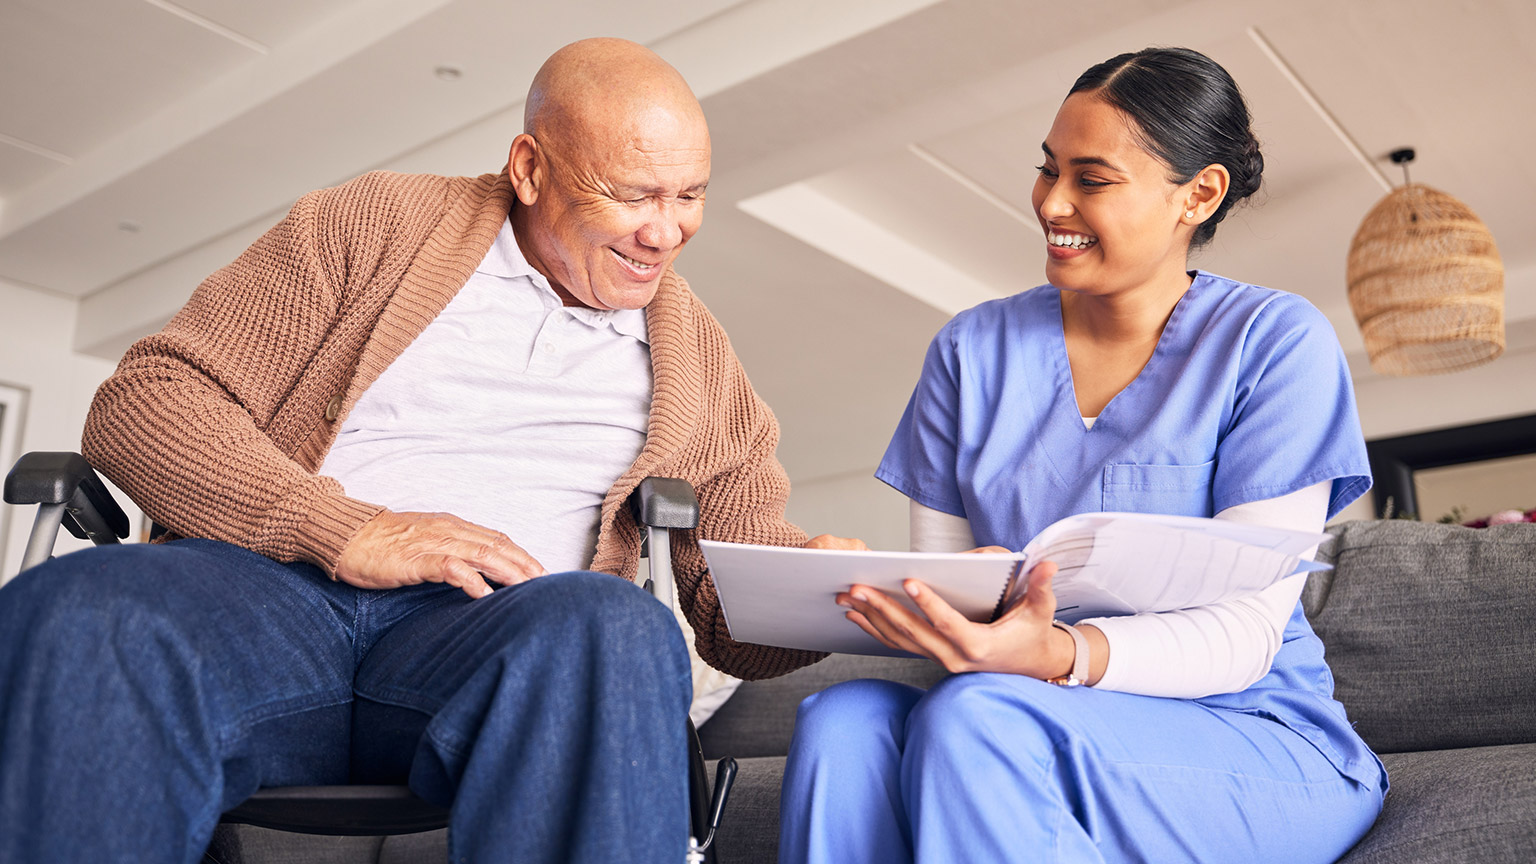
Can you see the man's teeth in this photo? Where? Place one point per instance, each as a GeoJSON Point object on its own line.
{"type": "Point", "coordinates": [636, 264]}
{"type": "Point", "coordinates": [1072, 241]}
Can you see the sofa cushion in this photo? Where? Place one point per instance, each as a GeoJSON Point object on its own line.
{"type": "Point", "coordinates": [1427, 631]}
{"type": "Point", "coordinates": [248, 844]}
{"type": "Point", "coordinates": [1455, 806]}
{"type": "Point", "coordinates": [749, 831]}
{"type": "Point", "coordinates": [760, 718]}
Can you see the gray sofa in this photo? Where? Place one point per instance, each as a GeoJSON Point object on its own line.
{"type": "Point", "coordinates": [1428, 632]}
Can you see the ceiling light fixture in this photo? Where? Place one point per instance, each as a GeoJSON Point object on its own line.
{"type": "Point", "coordinates": [1425, 282]}
{"type": "Point", "coordinates": [1424, 277]}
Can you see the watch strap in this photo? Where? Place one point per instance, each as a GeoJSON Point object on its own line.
{"type": "Point", "coordinates": [1079, 673]}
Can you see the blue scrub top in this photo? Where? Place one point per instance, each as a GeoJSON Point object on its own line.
{"type": "Point", "coordinates": [1246, 397]}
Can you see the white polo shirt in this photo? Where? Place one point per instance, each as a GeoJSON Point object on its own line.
{"type": "Point", "coordinates": [510, 410]}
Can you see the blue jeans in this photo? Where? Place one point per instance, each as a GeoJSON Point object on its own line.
{"type": "Point", "coordinates": [989, 767]}
{"type": "Point", "coordinates": [146, 689]}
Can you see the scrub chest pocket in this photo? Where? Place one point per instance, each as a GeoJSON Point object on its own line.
{"type": "Point", "coordinates": [1182, 490]}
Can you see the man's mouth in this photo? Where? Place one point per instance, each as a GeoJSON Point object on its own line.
{"type": "Point", "coordinates": [638, 265]}
{"type": "Point", "coordinates": [1070, 240]}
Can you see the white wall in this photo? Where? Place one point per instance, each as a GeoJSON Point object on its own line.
{"type": "Point", "coordinates": [35, 355]}
{"type": "Point", "coordinates": [854, 504]}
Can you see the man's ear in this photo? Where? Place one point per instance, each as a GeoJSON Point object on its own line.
{"type": "Point", "coordinates": [1205, 192]}
{"type": "Point", "coordinates": [525, 167]}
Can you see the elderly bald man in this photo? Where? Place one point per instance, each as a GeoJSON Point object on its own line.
{"type": "Point", "coordinates": [411, 390]}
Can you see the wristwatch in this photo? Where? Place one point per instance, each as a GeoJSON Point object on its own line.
{"type": "Point", "coordinates": [1079, 673]}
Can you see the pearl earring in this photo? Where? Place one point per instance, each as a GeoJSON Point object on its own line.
{"type": "Point", "coordinates": [1189, 214]}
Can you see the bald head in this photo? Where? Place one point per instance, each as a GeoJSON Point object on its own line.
{"type": "Point", "coordinates": [599, 87]}
{"type": "Point", "coordinates": [609, 172]}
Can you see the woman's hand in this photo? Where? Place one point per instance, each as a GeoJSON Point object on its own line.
{"type": "Point", "coordinates": [1022, 641]}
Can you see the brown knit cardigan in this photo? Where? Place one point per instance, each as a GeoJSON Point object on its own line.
{"type": "Point", "coordinates": [217, 424]}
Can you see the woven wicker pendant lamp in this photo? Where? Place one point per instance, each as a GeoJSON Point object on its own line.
{"type": "Point", "coordinates": [1426, 283]}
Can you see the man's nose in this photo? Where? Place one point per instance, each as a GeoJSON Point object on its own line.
{"type": "Point", "coordinates": [663, 230]}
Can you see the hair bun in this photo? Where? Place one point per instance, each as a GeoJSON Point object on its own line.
{"type": "Point", "coordinates": [1251, 171]}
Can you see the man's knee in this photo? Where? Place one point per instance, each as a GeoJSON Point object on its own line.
{"type": "Point", "coordinates": [86, 597]}
{"type": "Point", "coordinates": [605, 613]}
{"type": "Point", "coordinates": [139, 603]}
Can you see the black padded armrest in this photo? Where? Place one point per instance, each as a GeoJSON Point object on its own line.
{"type": "Point", "coordinates": [666, 502]}
{"type": "Point", "coordinates": [66, 478]}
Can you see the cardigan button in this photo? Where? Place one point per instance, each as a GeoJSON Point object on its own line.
{"type": "Point", "coordinates": [333, 408]}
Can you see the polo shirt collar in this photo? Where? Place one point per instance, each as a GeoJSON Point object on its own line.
{"type": "Point", "coordinates": [505, 259]}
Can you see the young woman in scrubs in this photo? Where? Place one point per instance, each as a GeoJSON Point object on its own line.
{"type": "Point", "coordinates": [1128, 382]}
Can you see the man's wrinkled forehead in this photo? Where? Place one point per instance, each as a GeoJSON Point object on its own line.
{"type": "Point", "coordinates": [647, 147]}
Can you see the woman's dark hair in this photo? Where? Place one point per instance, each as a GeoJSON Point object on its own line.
{"type": "Point", "coordinates": [1190, 115]}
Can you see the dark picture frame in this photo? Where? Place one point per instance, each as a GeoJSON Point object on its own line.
{"type": "Point", "coordinates": [1394, 460]}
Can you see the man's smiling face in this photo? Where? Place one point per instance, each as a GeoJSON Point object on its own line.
{"type": "Point", "coordinates": [616, 205]}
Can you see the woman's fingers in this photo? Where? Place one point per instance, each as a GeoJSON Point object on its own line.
{"type": "Point", "coordinates": [892, 623]}
{"type": "Point", "coordinates": [908, 630]}
{"type": "Point", "coordinates": [944, 617]}
{"type": "Point", "coordinates": [865, 625]}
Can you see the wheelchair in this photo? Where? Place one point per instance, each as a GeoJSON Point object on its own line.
{"type": "Point", "coordinates": [69, 493]}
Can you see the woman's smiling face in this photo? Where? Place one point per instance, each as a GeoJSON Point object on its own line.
{"type": "Point", "coordinates": [1113, 220]}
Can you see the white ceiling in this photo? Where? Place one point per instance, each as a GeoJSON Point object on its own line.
{"type": "Point", "coordinates": [873, 158]}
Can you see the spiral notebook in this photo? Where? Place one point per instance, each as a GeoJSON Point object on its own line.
{"type": "Point", "coordinates": [1109, 564]}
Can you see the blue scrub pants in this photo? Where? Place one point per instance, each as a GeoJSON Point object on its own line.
{"type": "Point", "coordinates": [146, 689]}
{"type": "Point", "coordinates": [990, 767]}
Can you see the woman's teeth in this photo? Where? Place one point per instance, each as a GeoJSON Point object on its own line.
{"type": "Point", "coordinates": [1071, 241]}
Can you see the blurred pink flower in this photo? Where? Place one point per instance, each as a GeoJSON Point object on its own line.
{"type": "Point", "coordinates": [1505, 517]}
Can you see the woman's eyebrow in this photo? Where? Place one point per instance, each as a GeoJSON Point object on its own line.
{"type": "Point", "coordinates": [1085, 160]}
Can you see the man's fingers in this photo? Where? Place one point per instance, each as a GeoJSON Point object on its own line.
{"type": "Point", "coordinates": [459, 573]}
{"type": "Point", "coordinates": [502, 561]}
{"type": "Point", "coordinates": [395, 549]}
{"type": "Point", "coordinates": [830, 541]}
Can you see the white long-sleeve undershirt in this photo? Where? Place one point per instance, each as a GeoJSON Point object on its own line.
{"type": "Point", "coordinates": [1220, 648]}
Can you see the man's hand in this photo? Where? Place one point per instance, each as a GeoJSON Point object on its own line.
{"type": "Point", "coordinates": [827, 541]}
{"type": "Point", "coordinates": [395, 549]}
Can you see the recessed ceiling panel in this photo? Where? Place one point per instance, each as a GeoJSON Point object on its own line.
{"type": "Point", "coordinates": [269, 21]}
{"type": "Point", "coordinates": [930, 209]}
{"type": "Point", "coordinates": [74, 71]}
{"type": "Point", "coordinates": [19, 166]}
{"type": "Point", "coordinates": [1001, 153]}
{"type": "Point", "coordinates": [350, 117]}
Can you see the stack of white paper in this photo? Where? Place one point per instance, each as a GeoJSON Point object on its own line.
{"type": "Point", "coordinates": [1110, 564]}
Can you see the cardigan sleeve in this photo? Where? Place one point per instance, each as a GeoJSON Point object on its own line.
{"type": "Point", "coordinates": [181, 426]}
